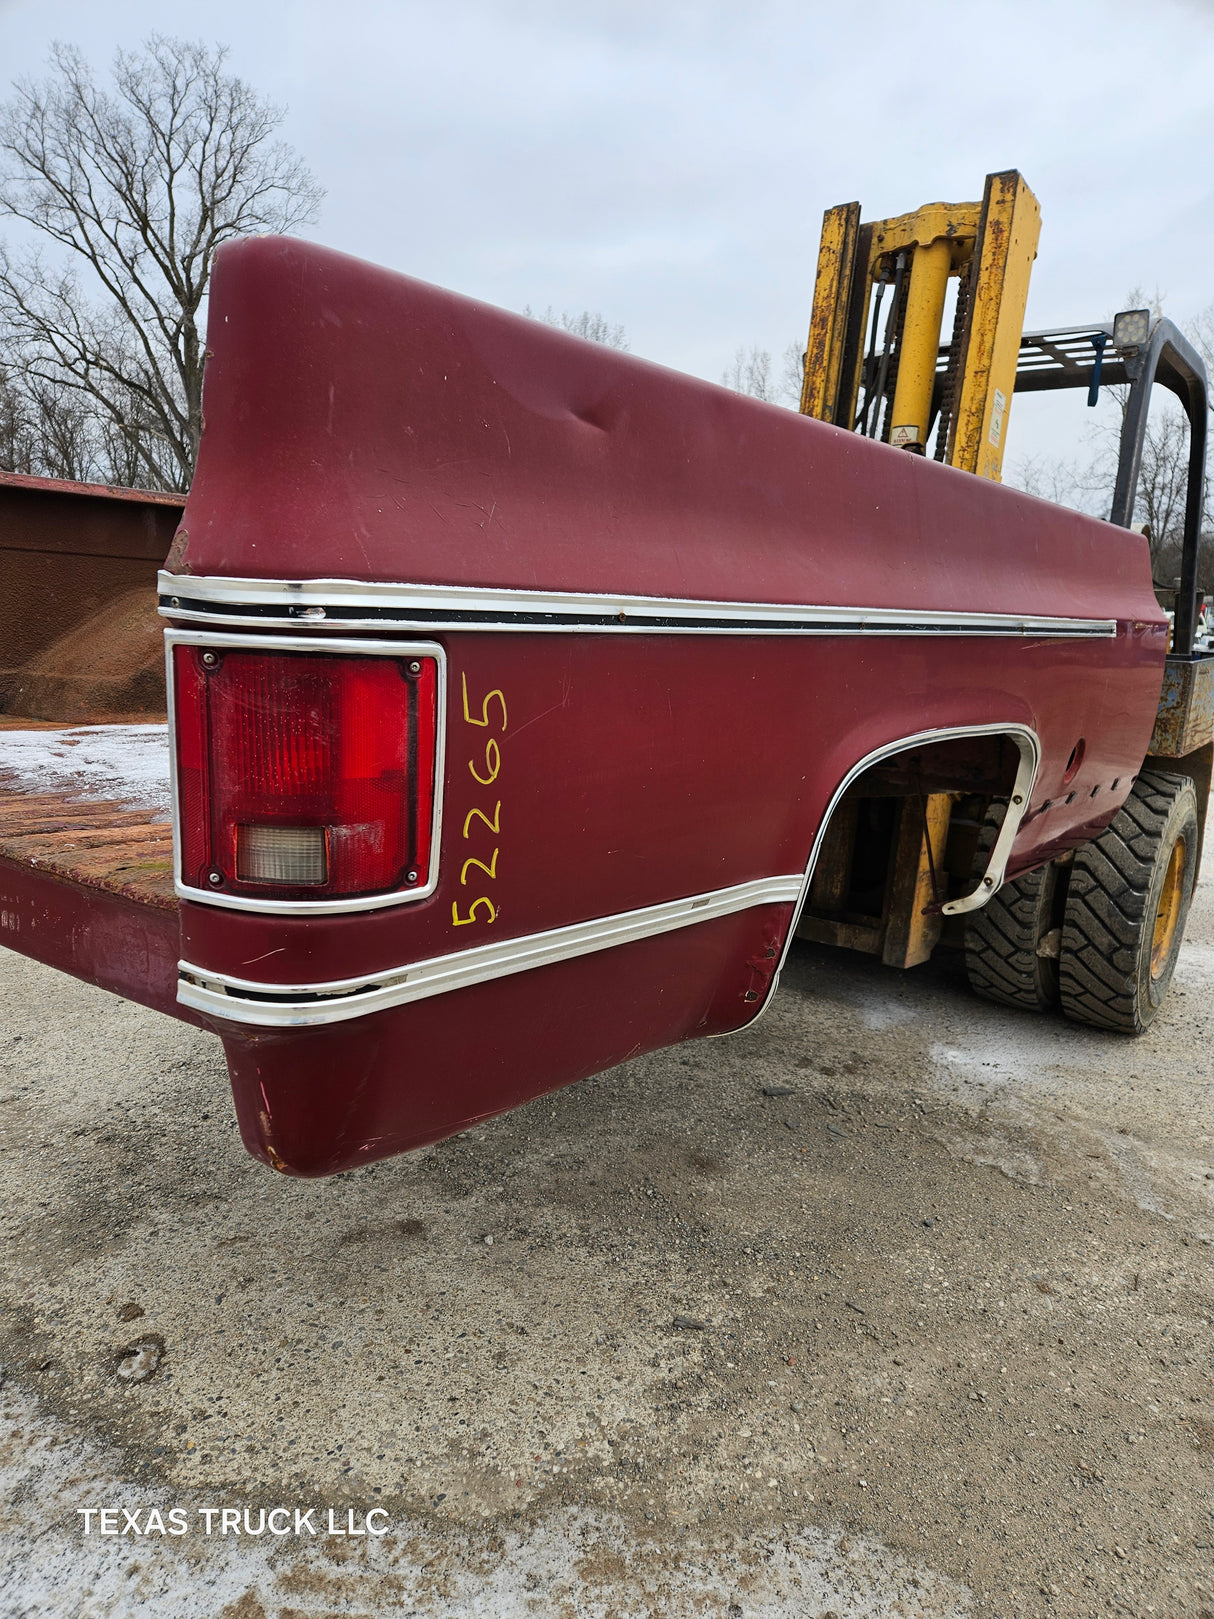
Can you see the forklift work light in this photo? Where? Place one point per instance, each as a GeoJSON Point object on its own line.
{"type": "Point", "coordinates": [1131, 328]}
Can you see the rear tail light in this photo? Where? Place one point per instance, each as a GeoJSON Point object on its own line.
{"type": "Point", "coordinates": [304, 775]}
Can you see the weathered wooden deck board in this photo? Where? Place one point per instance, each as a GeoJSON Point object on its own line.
{"type": "Point", "coordinates": [99, 837]}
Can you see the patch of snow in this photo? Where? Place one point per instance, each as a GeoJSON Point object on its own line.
{"type": "Point", "coordinates": [1196, 961]}
{"type": "Point", "coordinates": [124, 763]}
{"type": "Point", "coordinates": [570, 1559]}
{"type": "Point", "coordinates": [885, 1012]}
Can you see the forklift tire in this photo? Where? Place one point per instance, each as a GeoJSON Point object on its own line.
{"type": "Point", "coordinates": [1126, 907]}
{"type": "Point", "coordinates": [1011, 944]}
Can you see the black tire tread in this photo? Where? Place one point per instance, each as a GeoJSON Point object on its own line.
{"type": "Point", "coordinates": [1106, 903]}
{"type": "Point", "coordinates": [1001, 939]}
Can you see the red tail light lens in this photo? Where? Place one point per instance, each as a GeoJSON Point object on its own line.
{"type": "Point", "coordinates": [304, 775]}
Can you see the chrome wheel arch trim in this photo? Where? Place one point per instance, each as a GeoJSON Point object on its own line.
{"type": "Point", "coordinates": [294, 1006]}
{"type": "Point", "coordinates": [1029, 745]}
{"type": "Point", "coordinates": [362, 604]}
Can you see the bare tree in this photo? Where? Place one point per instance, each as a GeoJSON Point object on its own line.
{"type": "Point", "coordinates": [45, 430]}
{"type": "Point", "coordinates": [1086, 482]}
{"type": "Point", "coordinates": [64, 430]}
{"type": "Point", "coordinates": [1163, 482]}
{"type": "Point", "coordinates": [792, 379]}
{"type": "Point", "coordinates": [1053, 478]}
{"type": "Point", "coordinates": [16, 451]}
{"type": "Point", "coordinates": [752, 373]}
{"type": "Point", "coordinates": [139, 186]}
{"type": "Point", "coordinates": [588, 324]}
{"type": "Point", "coordinates": [1159, 504]}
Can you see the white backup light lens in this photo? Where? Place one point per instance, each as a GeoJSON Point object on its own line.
{"type": "Point", "coordinates": [293, 855]}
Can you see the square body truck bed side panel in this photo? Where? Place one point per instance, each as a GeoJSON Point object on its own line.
{"type": "Point", "coordinates": [824, 597]}
{"type": "Point", "coordinates": [585, 822]}
{"type": "Point", "coordinates": [366, 430]}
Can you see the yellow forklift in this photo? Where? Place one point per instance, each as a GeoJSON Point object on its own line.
{"type": "Point", "coordinates": [1097, 930]}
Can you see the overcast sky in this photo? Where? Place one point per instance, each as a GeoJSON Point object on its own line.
{"type": "Point", "coordinates": [667, 164]}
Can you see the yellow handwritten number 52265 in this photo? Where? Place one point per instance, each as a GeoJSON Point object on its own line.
{"type": "Point", "coordinates": [491, 765]}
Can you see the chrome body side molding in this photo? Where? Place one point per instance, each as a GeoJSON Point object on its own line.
{"type": "Point", "coordinates": [337, 604]}
{"type": "Point", "coordinates": [242, 1000]}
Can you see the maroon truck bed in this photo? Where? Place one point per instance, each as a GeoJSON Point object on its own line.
{"type": "Point", "coordinates": [675, 626]}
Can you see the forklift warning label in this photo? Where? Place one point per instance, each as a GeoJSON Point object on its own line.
{"type": "Point", "coordinates": [997, 409]}
{"type": "Point", "coordinates": [233, 1521]}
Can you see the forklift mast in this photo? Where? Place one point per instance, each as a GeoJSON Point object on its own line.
{"type": "Point", "coordinates": [875, 364]}
{"type": "Point", "coordinates": [893, 379]}
{"type": "Point", "coordinates": [881, 377]}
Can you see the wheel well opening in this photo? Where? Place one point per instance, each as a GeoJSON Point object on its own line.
{"type": "Point", "coordinates": [902, 841]}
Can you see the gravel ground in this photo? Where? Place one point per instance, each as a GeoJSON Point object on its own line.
{"type": "Point", "coordinates": [897, 1304]}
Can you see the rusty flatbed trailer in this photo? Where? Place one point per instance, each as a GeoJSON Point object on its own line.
{"type": "Point", "coordinates": [87, 876]}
